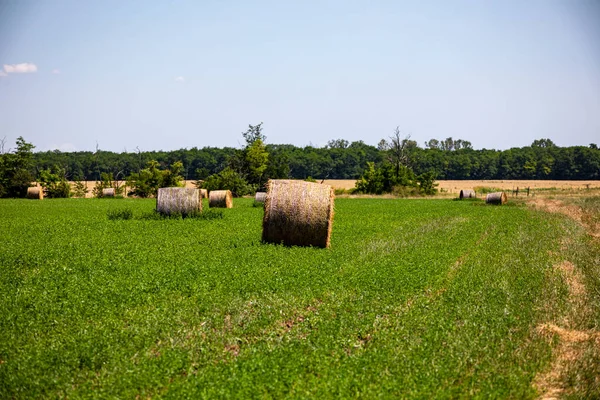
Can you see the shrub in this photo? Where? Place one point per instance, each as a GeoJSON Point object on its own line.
{"type": "Point", "coordinates": [123, 214]}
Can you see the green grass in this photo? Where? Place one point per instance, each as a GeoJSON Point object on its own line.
{"type": "Point", "coordinates": [415, 298]}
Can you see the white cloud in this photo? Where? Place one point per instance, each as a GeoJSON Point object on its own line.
{"type": "Point", "coordinates": [180, 79]}
{"type": "Point", "coordinates": [56, 71]}
{"type": "Point", "coordinates": [2, 73]}
{"type": "Point", "coordinates": [22, 68]}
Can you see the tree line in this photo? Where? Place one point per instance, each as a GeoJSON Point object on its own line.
{"type": "Point", "coordinates": [340, 159]}
{"type": "Point", "coordinates": [250, 167]}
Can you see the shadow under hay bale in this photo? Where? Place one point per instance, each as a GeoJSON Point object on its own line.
{"type": "Point", "coordinates": [260, 197]}
{"type": "Point", "coordinates": [498, 198]}
{"type": "Point", "coordinates": [467, 194]}
{"type": "Point", "coordinates": [220, 199]}
{"type": "Point", "coordinates": [298, 213]}
{"type": "Point", "coordinates": [175, 200]}
{"type": "Point", "coordinates": [108, 192]}
{"type": "Point", "coordinates": [203, 193]}
{"type": "Point", "coordinates": [35, 193]}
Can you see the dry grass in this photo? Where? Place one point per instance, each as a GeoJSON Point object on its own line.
{"type": "Point", "coordinates": [298, 213]}
{"type": "Point", "coordinates": [175, 200]}
{"type": "Point", "coordinates": [220, 199]}
{"type": "Point", "coordinates": [35, 193]}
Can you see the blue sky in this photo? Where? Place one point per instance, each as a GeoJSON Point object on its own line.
{"type": "Point", "coordinates": [178, 74]}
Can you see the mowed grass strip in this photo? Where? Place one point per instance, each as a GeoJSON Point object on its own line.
{"type": "Point", "coordinates": [415, 298]}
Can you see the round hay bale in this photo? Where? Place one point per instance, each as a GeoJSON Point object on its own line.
{"type": "Point", "coordinates": [467, 194]}
{"type": "Point", "coordinates": [298, 213]}
{"type": "Point", "coordinates": [176, 200]}
{"type": "Point", "coordinates": [203, 193]}
{"type": "Point", "coordinates": [220, 199]}
{"type": "Point", "coordinates": [108, 192]}
{"type": "Point", "coordinates": [260, 197]}
{"type": "Point", "coordinates": [496, 198]}
{"type": "Point", "coordinates": [35, 193]}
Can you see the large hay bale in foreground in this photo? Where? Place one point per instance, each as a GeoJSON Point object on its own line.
{"type": "Point", "coordinates": [35, 193]}
{"type": "Point", "coordinates": [176, 200]}
{"type": "Point", "coordinates": [496, 198]}
{"type": "Point", "coordinates": [203, 193]}
{"type": "Point", "coordinates": [220, 199]}
{"type": "Point", "coordinates": [260, 197]}
{"type": "Point", "coordinates": [467, 194]}
{"type": "Point", "coordinates": [108, 192]}
{"type": "Point", "coordinates": [298, 213]}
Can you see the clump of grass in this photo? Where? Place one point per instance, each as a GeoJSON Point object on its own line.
{"type": "Point", "coordinates": [258, 204]}
{"type": "Point", "coordinates": [340, 191]}
{"type": "Point", "coordinates": [486, 190]}
{"type": "Point", "coordinates": [123, 214]}
{"type": "Point", "coordinates": [206, 215]}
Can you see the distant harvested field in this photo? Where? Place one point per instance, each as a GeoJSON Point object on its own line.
{"type": "Point", "coordinates": [452, 187]}
{"type": "Point", "coordinates": [457, 186]}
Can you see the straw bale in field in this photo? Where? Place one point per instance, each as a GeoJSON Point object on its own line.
{"type": "Point", "coordinates": [298, 213]}
{"type": "Point", "coordinates": [467, 194]}
{"type": "Point", "coordinates": [35, 193]}
{"type": "Point", "coordinates": [496, 198]}
{"type": "Point", "coordinates": [203, 193]}
{"type": "Point", "coordinates": [108, 192]}
{"type": "Point", "coordinates": [176, 200]}
{"type": "Point", "coordinates": [220, 199]}
{"type": "Point", "coordinates": [260, 197]}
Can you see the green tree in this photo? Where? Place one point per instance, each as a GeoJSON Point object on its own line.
{"type": "Point", "coordinates": [228, 179]}
{"type": "Point", "coordinates": [15, 170]}
{"type": "Point", "coordinates": [257, 159]}
{"type": "Point", "coordinates": [147, 182]}
{"type": "Point", "coordinates": [54, 183]}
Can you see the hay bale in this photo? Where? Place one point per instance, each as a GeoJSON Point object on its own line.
{"type": "Point", "coordinates": [260, 197]}
{"type": "Point", "coordinates": [298, 213]}
{"type": "Point", "coordinates": [203, 193]}
{"type": "Point", "coordinates": [176, 200]}
{"type": "Point", "coordinates": [35, 193]}
{"type": "Point", "coordinates": [496, 198]}
{"type": "Point", "coordinates": [220, 199]}
{"type": "Point", "coordinates": [467, 194]}
{"type": "Point", "coordinates": [108, 192]}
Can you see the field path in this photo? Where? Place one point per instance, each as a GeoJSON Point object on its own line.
{"type": "Point", "coordinates": [573, 344]}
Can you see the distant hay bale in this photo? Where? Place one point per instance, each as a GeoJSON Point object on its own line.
{"type": "Point", "coordinates": [260, 197]}
{"type": "Point", "coordinates": [467, 194]}
{"type": "Point", "coordinates": [203, 193]}
{"type": "Point", "coordinates": [35, 193]}
{"type": "Point", "coordinates": [220, 199]}
{"type": "Point", "coordinates": [496, 198]}
{"type": "Point", "coordinates": [298, 213]}
{"type": "Point", "coordinates": [108, 192]}
{"type": "Point", "coordinates": [176, 200]}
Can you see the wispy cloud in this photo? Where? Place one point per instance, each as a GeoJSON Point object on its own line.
{"type": "Point", "coordinates": [180, 79]}
{"type": "Point", "coordinates": [23, 68]}
{"type": "Point", "coordinates": [56, 71]}
{"type": "Point", "coordinates": [3, 74]}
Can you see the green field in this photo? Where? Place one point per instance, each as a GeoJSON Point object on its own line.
{"type": "Point", "coordinates": [415, 298]}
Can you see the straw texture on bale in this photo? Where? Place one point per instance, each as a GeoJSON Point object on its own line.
{"type": "Point", "coordinates": [108, 192]}
{"type": "Point", "coordinates": [35, 193]}
{"type": "Point", "coordinates": [220, 199]}
{"type": "Point", "coordinates": [467, 194]}
{"type": "Point", "coordinates": [203, 193]}
{"type": "Point", "coordinates": [496, 198]}
{"type": "Point", "coordinates": [298, 213]}
{"type": "Point", "coordinates": [175, 200]}
{"type": "Point", "coordinates": [260, 197]}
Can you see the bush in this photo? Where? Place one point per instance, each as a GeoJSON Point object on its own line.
{"type": "Point", "coordinates": [207, 215]}
{"type": "Point", "coordinates": [123, 214]}
{"type": "Point", "coordinates": [228, 179]}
